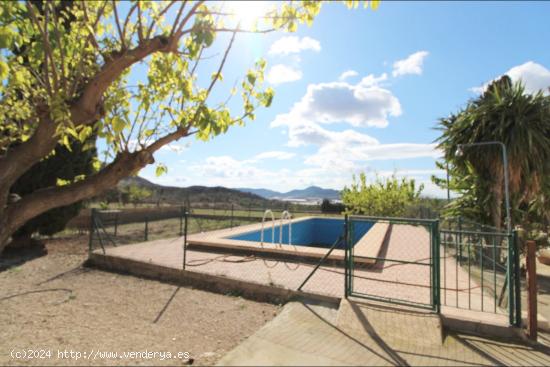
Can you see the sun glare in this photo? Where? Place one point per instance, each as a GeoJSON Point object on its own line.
{"type": "Point", "coordinates": [247, 13]}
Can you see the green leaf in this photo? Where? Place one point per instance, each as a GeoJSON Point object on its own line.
{"type": "Point", "coordinates": [161, 169]}
{"type": "Point", "coordinates": [118, 125]}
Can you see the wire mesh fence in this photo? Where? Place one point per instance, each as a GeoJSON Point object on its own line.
{"type": "Point", "coordinates": [480, 268]}
{"type": "Point", "coordinates": [475, 266]}
{"type": "Point", "coordinates": [395, 261]}
{"type": "Point", "coordinates": [118, 227]}
{"type": "Point", "coordinates": [412, 261]}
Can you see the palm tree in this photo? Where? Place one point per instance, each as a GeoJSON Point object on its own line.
{"type": "Point", "coordinates": [505, 113]}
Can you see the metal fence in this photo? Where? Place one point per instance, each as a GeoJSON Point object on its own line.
{"type": "Point", "coordinates": [480, 268]}
{"type": "Point", "coordinates": [417, 262]}
{"type": "Point", "coordinates": [399, 264]}
{"type": "Point", "coordinates": [118, 227]}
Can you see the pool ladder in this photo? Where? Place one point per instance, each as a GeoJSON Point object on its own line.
{"type": "Point", "coordinates": [272, 227]}
{"type": "Point", "coordinates": [285, 215]}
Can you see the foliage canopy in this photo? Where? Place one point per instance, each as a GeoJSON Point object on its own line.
{"type": "Point", "coordinates": [388, 197]}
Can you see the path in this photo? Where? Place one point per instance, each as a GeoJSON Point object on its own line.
{"type": "Point", "coordinates": [368, 334]}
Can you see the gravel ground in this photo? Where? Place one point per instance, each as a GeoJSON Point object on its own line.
{"type": "Point", "coordinates": [52, 303]}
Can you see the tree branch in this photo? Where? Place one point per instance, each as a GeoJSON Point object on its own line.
{"type": "Point", "coordinates": [180, 11]}
{"type": "Point", "coordinates": [178, 32]}
{"type": "Point", "coordinates": [47, 50]}
{"type": "Point", "coordinates": [140, 27]}
{"type": "Point", "coordinates": [91, 36]}
{"type": "Point", "coordinates": [128, 16]}
{"type": "Point", "coordinates": [154, 21]}
{"type": "Point", "coordinates": [63, 80]}
{"type": "Point", "coordinates": [40, 201]}
{"type": "Point", "coordinates": [167, 139]}
{"type": "Point", "coordinates": [87, 108]}
{"type": "Point", "coordinates": [117, 21]}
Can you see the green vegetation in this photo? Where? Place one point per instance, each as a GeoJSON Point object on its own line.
{"type": "Point", "coordinates": [329, 207]}
{"type": "Point", "coordinates": [521, 121]}
{"type": "Point", "coordinates": [389, 197]}
{"type": "Point", "coordinates": [137, 194]}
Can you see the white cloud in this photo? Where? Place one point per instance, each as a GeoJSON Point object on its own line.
{"type": "Point", "coordinates": [229, 172]}
{"type": "Point", "coordinates": [292, 44]}
{"type": "Point", "coordinates": [364, 104]}
{"type": "Point", "coordinates": [275, 154]}
{"type": "Point", "coordinates": [372, 80]}
{"type": "Point", "coordinates": [347, 74]}
{"type": "Point", "coordinates": [177, 148]}
{"type": "Point", "coordinates": [411, 65]}
{"type": "Point", "coordinates": [347, 151]}
{"type": "Point", "coordinates": [344, 152]}
{"type": "Point", "coordinates": [534, 77]}
{"type": "Point", "coordinates": [280, 73]}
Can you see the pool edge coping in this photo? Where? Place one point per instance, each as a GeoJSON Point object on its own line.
{"type": "Point", "coordinates": [218, 239]}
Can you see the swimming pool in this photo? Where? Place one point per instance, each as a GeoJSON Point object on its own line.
{"type": "Point", "coordinates": [311, 237]}
{"type": "Point", "coordinates": [312, 232]}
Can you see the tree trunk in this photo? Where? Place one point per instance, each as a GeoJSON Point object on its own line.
{"type": "Point", "coordinates": [40, 201]}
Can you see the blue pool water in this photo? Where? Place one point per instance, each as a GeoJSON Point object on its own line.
{"type": "Point", "coordinates": [316, 232]}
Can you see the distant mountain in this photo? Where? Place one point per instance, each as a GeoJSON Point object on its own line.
{"type": "Point", "coordinates": [265, 193]}
{"type": "Point", "coordinates": [204, 196]}
{"type": "Point", "coordinates": [195, 195]}
{"type": "Point", "coordinates": [312, 192]}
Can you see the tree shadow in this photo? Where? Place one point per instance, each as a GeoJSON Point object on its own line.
{"type": "Point", "coordinates": [367, 326]}
{"type": "Point", "coordinates": [348, 335]}
{"type": "Point", "coordinates": [75, 271]}
{"type": "Point", "coordinates": [14, 257]}
{"type": "Point", "coordinates": [493, 351]}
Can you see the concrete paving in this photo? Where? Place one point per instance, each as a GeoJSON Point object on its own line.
{"type": "Point", "coordinates": [407, 282]}
{"type": "Point", "coordinates": [372, 335]}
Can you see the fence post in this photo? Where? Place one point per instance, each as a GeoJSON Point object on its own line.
{"type": "Point", "coordinates": [459, 250]}
{"type": "Point", "coordinates": [146, 228]}
{"type": "Point", "coordinates": [91, 231]}
{"type": "Point", "coordinates": [517, 284]}
{"type": "Point", "coordinates": [346, 257]}
{"type": "Point", "coordinates": [437, 266]}
{"type": "Point", "coordinates": [181, 220]}
{"type": "Point", "coordinates": [116, 224]}
{"type": "Point", "coordinates": [185, 239]}
{"type": "Point", "coordinates": [232, 215]}
{"type": "Point", "coordinates": [510, 279]}
{"type": "Point", "coordinates": [531, 290]}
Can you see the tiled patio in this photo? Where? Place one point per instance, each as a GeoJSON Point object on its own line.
{"type": "Point", "coordinates": [407, 282]}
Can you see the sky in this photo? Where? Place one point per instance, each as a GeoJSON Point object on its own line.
{"type": "Point", "coordinates": [362, 91]}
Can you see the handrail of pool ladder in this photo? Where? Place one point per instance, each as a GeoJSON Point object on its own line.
{"type": "Point", "coordinates": [286, 215]}
{"type": "Point", "coordinates": [268, 211]}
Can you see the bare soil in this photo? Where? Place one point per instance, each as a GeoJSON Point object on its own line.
{"type": "Point", "coordinates": [52, 303]}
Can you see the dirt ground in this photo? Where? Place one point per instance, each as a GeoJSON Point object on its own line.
{"type": "Point", "coordinates": [52, 306]}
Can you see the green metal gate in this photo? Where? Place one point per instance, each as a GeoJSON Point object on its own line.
{"type": "Point", "coordinates": [397, 261]}
{"type": "Point", "coordinates": [480, 268]}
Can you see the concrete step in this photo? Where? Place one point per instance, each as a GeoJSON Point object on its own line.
{"type": "Point", "coordinates": [304, 334]}
{"type": "Point", "coordinates": [388, 323]}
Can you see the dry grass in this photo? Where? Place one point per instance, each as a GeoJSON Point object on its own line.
{"type": "Point", "coordinates": [53, 303]}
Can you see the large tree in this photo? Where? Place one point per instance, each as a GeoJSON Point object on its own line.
{"type": "Point", "coordinates": [80, 79]}
{"type": "Point", "coordinates": [63, 164]}
{"type": "Point", "coordinates": [504, 112]}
